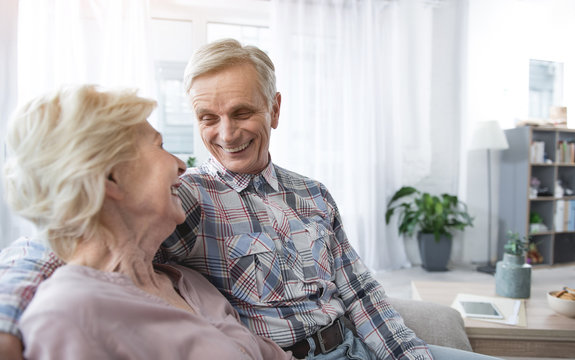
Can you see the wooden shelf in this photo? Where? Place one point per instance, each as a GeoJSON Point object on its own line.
{"type": "Point", "coordinates": [515, 204]}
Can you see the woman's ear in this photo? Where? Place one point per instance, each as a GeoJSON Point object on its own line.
{"type": "Point", "coordinates": [113, 189]}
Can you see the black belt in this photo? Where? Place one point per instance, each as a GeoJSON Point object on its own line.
{"type": "Point", "coordinates": [326, 339]}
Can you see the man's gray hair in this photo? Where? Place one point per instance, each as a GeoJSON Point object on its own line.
{"type": "Point", "coordinates": [225, 53]}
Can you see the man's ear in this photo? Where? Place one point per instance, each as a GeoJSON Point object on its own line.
{"type": "Point", "coordinates": [113, 189]}
{"type": "Point", "coordinates": [276, 110]}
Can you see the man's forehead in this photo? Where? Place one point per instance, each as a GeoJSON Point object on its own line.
{"type": "Point", "coordinates": [224, 99]}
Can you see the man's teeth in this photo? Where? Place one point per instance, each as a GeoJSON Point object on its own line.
{"type": "Point", "coordinates": [239, 148]}
{"type": "Point", "coordinates": [174, 190]}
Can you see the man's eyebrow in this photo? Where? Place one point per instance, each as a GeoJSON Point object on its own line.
{"type": "Point", "coordinates": [201, 111]}
{"type": "Point", "coordinates": [241, 106]}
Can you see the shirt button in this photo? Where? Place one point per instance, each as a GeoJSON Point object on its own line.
{"type": "Point", "coordinates": [322, 233]}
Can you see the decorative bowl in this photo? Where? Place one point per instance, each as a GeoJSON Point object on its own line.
{"type": "Point", "coordinates": [561, 306]}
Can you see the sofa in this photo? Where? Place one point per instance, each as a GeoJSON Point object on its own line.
{"type": "Point", "coordinates": [433, 323]}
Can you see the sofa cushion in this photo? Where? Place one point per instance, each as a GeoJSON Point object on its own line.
{"type": "Point", "coordinates": [433, 323]}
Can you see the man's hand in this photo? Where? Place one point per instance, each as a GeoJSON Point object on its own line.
{"type": "Point", "coordinates": [10, 347]}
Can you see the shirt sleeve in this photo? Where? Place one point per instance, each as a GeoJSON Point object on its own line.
{"type": "Point", "coordinates": [177, 247]}
{"type": "Point", "coordinates": [376, 322]}
{"type": "Point", "coordinates": [52, 336]}
{"type": "Point", "coordinates": [23, 266]}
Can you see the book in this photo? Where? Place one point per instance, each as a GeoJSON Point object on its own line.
{"type": "Point", "coordinates": [571, 216]}
{"type": "Point", "coordinates": [559, 217]}
{"type": "Point", "coordinates": [537, 152]}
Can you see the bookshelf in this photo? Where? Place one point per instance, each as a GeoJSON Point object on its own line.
{"type": "Point", "coordinates": [548, 155]}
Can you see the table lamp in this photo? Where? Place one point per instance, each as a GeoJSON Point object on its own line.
{"type": "Point", "coordinates": [488, 135]}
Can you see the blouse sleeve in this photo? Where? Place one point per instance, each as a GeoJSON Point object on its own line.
{"type": "Point", "coordinates": [53, 337]}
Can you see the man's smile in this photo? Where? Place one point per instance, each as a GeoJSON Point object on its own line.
{"type": "Point", "coordinates": [237, 149]}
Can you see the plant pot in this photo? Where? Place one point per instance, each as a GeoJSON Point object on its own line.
{"type": "Point", "coordinates": [434, 254]}
{"type": "Point", "coordinates": [513, 277]}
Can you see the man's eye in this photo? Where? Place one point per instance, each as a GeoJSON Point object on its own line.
{"type": "Point", "coordinates": [243, 115]}
{"type": "Point", "coordinates": [208, 118]}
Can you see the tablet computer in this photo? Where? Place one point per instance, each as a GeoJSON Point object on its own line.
{"type": "Point", "coordinates": [480, 309]}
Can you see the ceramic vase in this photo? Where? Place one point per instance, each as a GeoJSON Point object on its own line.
{"type": "Point", "coordinates": [513, 277]}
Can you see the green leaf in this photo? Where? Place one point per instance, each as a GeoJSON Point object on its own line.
{"type": "Point", "coordinates": [404, 191]}
{"type": "Point", "coordinates": [424, 212]}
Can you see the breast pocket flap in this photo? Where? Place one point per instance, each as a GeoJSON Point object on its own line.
{"type": "Point", "coordinates": [249, 244]}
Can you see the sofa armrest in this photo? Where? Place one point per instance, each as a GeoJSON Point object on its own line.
{"type": "Point", "coordinates": [433, 323]}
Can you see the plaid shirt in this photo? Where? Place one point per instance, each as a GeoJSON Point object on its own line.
{"type": "Point", "coordinates": [272, 243]}
{"type": "Point", "coordinates": [23, 266]}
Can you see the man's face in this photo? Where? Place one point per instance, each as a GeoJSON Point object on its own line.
{"type": "Point", "coordinates": [234, 119]}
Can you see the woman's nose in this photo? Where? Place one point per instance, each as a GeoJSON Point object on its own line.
{"type": "Point", "coordinates": [181, 166]}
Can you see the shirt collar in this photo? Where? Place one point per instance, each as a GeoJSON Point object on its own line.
{"type": "Point", "coordinates": [238, 181]}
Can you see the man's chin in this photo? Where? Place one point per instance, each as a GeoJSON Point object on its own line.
{"type": "Point", "coordinates": [236, 166]}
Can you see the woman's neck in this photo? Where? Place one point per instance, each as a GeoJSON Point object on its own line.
{"type": "Point", "coordinates": [113, 252]}
{"type": "Point", "coordinates": [125, 256]}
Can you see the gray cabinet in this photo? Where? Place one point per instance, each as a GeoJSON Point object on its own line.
{"type": "Point", "coordinates": [537, 165]}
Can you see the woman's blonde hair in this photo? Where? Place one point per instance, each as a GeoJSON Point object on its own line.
{"type": "Point", "coordinates": [225, 53]}
{"type": "Point", "coordinates": [64, 146]}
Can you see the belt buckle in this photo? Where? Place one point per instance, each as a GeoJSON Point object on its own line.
{"type": "Point", "coordinates": [322, 347]}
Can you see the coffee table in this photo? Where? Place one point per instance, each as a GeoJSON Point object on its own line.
{"type": "Point", "coordinates": [547, 334]}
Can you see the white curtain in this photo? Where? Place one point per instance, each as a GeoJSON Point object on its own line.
{"type": "Point", "coordinates": [8, 37]}
{"type": "Point", "coordinates": [104, 42]}
{"type": "Point", "coordinates": [355, 81]}
{"type": "Point", "coordinates": [60, 42]}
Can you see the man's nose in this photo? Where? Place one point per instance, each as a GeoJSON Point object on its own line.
{"type": "Point", "coordinates": [227, 129]}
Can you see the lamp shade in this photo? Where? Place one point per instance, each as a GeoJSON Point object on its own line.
{"type": "Point", "coordinates": [488, 135]}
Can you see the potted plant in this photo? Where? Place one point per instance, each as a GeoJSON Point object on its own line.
{"type": "Point", "coordinates": [433, 218]}
{"type": "Point", "coordinates": [536, 223]}
{"type": "Point", "coordinates": [512, 274]}
{"type": "Point", "coordinates": [516, 246]}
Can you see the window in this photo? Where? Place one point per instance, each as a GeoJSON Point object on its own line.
{"type": "Point", "coordinates": [246, 34]}
{"type": "Point", "coordinates": [175, 117]}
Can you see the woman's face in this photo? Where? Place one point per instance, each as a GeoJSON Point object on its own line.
{"type": "Point", "coordinates": [150, 183]}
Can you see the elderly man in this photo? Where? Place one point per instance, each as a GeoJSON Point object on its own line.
{"type": "Point", "coordinates": [269, 239]}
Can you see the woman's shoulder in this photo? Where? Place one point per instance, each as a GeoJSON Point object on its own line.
{"type": "Point", "coordinates": [199, 290]}
{"type": "Point", "coordinates": [72, 285]}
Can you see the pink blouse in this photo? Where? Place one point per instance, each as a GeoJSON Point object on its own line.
{"type": "Point", "coordinates": [83, 313]}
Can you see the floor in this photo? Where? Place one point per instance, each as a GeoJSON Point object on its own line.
{"type": "Point", "coordinates": [398, 283]}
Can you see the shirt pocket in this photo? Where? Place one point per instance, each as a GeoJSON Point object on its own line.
{"type": "Point", "coordinates": [254, 268]}
{"type": "Point", "coordinates": [317, 257]}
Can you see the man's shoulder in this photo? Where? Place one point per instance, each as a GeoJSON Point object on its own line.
{"type": "Point", "coordinates": [200, 177]}
{"type": "Point", "coordinates": [291, 178]}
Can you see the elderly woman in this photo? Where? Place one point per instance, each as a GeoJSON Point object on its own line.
{"type": "Point", "coordinates": [91, 173]}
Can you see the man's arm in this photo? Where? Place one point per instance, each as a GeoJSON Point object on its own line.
{"type": "Point", "coordinates": [376, 322]}
{"type": "Point", "coordinates": [23, 266]}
